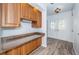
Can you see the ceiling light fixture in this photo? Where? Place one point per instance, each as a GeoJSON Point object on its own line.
{"type": "Point", "coordinates": [57, 10]}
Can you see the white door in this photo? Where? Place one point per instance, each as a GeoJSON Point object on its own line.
{"type": "Point", "coordinates": [76, 35]}
{"type": "Point", "coordinates": [76, 28]}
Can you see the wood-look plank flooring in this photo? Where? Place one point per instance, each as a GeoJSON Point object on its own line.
{"type": "Point", "coordinates": [55, 47]}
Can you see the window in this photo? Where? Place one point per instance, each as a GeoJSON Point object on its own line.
{"type": "Point", "coordinates": [52, 25]}
{"type": "Point", "coordinates": [57, 25]}
{"type": "Point", "coordinates": [61, 25]}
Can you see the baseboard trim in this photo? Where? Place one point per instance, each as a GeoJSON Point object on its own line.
{"type": "Point", "coordinates": [59, 39]}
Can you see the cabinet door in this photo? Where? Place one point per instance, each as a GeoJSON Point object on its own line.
{"type": "Point", "coordinates": [25, 11]}
{"type": "Point", "coordinates": [15, 51]}
{"type": "Point", "coordinates": [0, 15]}
{"type": "Point", "coordinates": [39, 42]}
{"type": "Point", "coordinates": [30, 46]}
{"type": "Point", "coordinates": [10, 15]}
{"type": "Point", "coordinates": [26, 48]}
{"type": "Point", "coordinates": [38, 22]}
{"type": "Point", "coordinates": [32, 13]}
{"type": "Point", "coordinates": [33, 44]}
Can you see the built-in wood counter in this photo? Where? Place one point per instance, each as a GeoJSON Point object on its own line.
{"type": "Point", "coordinates": [25, 48]}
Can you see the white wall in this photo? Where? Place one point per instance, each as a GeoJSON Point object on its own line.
{"type": "Point", "coordinates": [66, 32]}
{"type": "Point", "coordinates": [76, 28]}
{"type": "Point", "coordinates": [24, 28]}
{"type": "Point", "coordinates": [44, 28]}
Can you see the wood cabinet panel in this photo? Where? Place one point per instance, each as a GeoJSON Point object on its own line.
{"type": "Point", "coordinates": [26, 48]}
{"type": "Point", "coordinates": [10, 15]}
{"type": "Point", "coordinates": [29, 47]}
{"type": "Point", "coordinates": [38, 18]}
{"type": "Point", "coordinates": [32, 13]}
{"type": "Point", "coordinates": [15, 51]}
{"type": "Point", "coordinates": [39, 41]}
{"type": "Point", "coordinates": [3, 53]}
{"type": "Point", "coordinates": [25, 11]}
{"type": "Point", "coordinates": [33, 44]}
{"type": "Point", "coordinates": [0, 15]}
{"type": "Point", "coordinates": [39, 21]}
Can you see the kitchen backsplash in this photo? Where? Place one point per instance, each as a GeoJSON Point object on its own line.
{"type": "Point", "coordinates": [26, 27]}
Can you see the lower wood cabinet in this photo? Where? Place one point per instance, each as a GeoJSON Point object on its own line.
{"type": "Point", "coordinates": [24, 49]}
{"type": "Point", "coordinates": [38, 43]}
{"type": "Point", "coordinates": [15, 51]}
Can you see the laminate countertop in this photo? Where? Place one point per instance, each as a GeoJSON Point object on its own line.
{"type": "Point", "coordinates": [11, 42]}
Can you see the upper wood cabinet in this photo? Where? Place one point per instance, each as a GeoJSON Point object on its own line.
{"type": "Point", "coordinates": [32, 14]}
{"type": "Point", "coordinates": [0, 15]}
{"type": "Point", "coordinates": [38, 18]}
{"type": "Point", "coordinates": [10, 14]}
{"type": "Point", "coordinates": [27, 12]}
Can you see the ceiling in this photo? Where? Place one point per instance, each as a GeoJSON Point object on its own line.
{"type": "Point", "coordinates": [63, 6]}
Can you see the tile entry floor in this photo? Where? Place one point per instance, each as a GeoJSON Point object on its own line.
{"type": "Point", "coordinates": [55, 47]}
